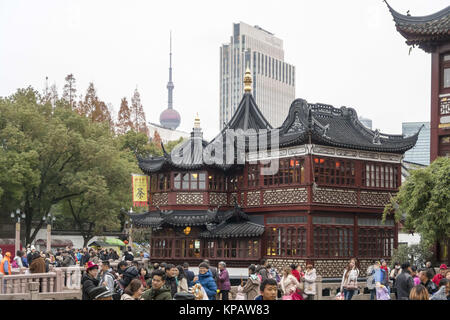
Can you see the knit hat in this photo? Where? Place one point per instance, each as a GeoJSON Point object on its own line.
{"type": "Point", "coordinates": [32, 248]}
{"type": "Point", "coordinates": [443, 266]}
{"type": "Point", "coordinates": [203, 265]}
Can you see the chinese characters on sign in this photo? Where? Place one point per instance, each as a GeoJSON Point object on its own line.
{"type": "Point", "coordinates": [140, 188]}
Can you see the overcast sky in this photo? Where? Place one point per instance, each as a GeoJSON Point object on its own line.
{"type": "Point", "coordinates": [346, 53]}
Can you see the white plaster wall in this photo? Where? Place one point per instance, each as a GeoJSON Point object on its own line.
{"type": "Point", "coordinates": [408, 238]}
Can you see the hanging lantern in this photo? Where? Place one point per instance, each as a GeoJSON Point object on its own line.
{"type": "Point", "coordinates": [187, 230]}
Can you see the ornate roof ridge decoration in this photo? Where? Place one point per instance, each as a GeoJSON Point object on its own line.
{"type": "Point", "coordinates": [418, 19]}
{"type": "Point", "coordinates": [427, 32]}
{"type": "Point", "coordinates": [324, 124]}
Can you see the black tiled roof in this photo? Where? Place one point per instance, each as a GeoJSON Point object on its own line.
{"type": "Point", "coordinates": [174, 217]}
{"type": "Point", "coordinates": [337, 127]}
{"type": "Point", "coordinates": [148, 219]}
{"type": "Point", "coordinates": [425, 31]}
{"type": "Point", "coordinates": [190, 218]}
{"type": "Point", "coordinates": [193, 147]}
{"type": "Point", "coordinates": [248, 116]}
{"type": "Point", "coordinates": [235, 229]}
{"type": "Point", "coordinates": [231, 223]}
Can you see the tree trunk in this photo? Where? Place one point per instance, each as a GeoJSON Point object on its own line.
{"type": "Point", "coordinates": [85, 241]}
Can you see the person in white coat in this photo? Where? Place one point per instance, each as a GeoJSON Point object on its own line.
{"type": "Point", "coordinates": [310, 281]}
{"type": "Point", "coordinates": [289, 285]}
{"type": "Point", "coordinates": [349, 283]}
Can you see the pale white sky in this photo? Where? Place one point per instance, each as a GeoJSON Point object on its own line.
{"type": "Point", "coordinates": [345, 52]}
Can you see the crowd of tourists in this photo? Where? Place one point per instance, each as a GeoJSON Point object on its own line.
{"type": "Point", "coordinates": [407, 282]}
{"type": "Point", "coordinates": [40, 261]}
{"type": "Point", "coordinates": [165, 281]}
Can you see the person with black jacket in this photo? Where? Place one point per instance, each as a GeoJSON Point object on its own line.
{"type": "Point", "coordinates": [128, 255]}
{"type": "Point", "coordinates": [89, 280]}
{"type": "Point", "coordinates": [85, 258]}
{"type": "Point", "coordinates": [113, 254]}
{"type": "Point", "coordinates": [30, 255]}
{"type": "Point", "coordinates": [404, 282]}
{"type": "Point", "coordinates": [425, 279]}
{"type": "Point", "coordinates": [171, 280]}
{"type": "Point", "coordinates": [128, 274]}
{"type": "Point", "coordinates": [189, 274]}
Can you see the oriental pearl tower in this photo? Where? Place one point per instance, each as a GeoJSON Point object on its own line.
{"type": "Point", "coordinates": [170, 118]}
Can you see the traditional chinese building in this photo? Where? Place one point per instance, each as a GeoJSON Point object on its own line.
{"type": "Point", "coordinates": [432, 34]}
{"type": "Point", "coordinates": [324, 203]}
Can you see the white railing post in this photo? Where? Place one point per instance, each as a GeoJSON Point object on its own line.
{"type": "Point", "coordinates": [319, 287]}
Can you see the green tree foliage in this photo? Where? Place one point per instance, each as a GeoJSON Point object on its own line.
{"type": "Point", "coordinates": [424, 202]}
{"type": "Point", "coordinates": [416, 254]}
{"type": "Point", "coordinates": [69, 90]}
{"type": "Point", "coordinates": [53, 156]}
{"type": "Point", "coordinates": [172, 144]}
{"type": "Point", "coordinates": [137, 113]}
{"type": "Point", "coordinates": [138, 144]}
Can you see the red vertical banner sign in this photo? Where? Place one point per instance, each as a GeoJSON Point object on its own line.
{"type": "Point", "coordinates": [140, 190]}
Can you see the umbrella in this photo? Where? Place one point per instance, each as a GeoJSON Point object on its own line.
{"type": "Point", "coordinates": [114, 241]}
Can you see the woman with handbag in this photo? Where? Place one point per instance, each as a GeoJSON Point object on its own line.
{"type": "Point", "coordinates": [349, 281]}
{"type": "Point", "coordinates": [289, 285]}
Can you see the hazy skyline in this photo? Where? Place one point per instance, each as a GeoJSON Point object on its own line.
{"type": "Point", "coordinates": [346, 53]}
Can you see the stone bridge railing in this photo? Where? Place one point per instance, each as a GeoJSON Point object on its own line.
{"type": "Point", "coordinates": [59, 283]}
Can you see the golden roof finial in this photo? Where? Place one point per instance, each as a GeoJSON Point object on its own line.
{"type": "Point", "coordinates": [248, 81]}
{"type": "Point", "coordinates": [197, 121]}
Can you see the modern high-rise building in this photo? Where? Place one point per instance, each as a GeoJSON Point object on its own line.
{"type": "Point", "coordinates": [273, 78]}
{"type": "Point", "coordinates": [365, 121]}
{"type": "Point", "coordinates": [421, 151]}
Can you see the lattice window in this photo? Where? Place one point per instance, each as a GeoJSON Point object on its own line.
{"type": "Point", "coordinates": [333, 241]}
{"type": "Point", "coordinates": [290, 171]}
{"type": "Point", "coordinates": [371, 222]}
{"type": "Point", "coordinates": [329, 171]}
{"type": "Point", "coordinates": [253, 176]}
{"type": "Point", "coordinates": [294, 219]}
{"type": "Point", "coordinates": [232, 183]}
{"type": "Point", "coordinates": [286, 241]}
{"type": "Point", "coordinates": [377, 175]}
{"type": "Point", "coordinates": [216, 182]}
{"type": "Point", "coordinates": [189, 180]}
{"type": "Point", "coordinates": [375, 242]}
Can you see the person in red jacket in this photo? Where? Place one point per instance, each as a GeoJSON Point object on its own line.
{"type": "Point", "coordinates": [441, 275]}
{"type": "Point", "coordinates": [295, 272]}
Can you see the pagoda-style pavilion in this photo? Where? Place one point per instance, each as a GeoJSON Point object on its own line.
{"type": "Point", "coordinates": [432, 34]}
{"type": "Point", "coordinates": [324, 203]}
